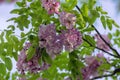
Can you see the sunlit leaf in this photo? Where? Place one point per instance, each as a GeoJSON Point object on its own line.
{"type": "Point", "coordinates": [2, 69]}
{"type": "Point", "coordinates": [103, 21]}
{"type": "Point", "coordinates": [8, 63]}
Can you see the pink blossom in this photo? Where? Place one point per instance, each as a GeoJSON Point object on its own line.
{"type": "Point", "coordinates": [52, 6]}
{"type": "Point", "coordinates": [49, 40]}
{"type": "Point", "coordinates": [101, 44]}
{"type": "Point", "coordinates": [32, 65]}
{"type": "Point", "coordinates": [54, 48]}
{"type": "Point", "coordinates": [22, 57]}
{"type": "Point", "coordinates": [72, 38]}
{"type": "Point", "coordinates": [92, 66]}
{"type": "Point", "coordinates": [67, 19]}
{"type": "Point", "coordinates": [47, 35]}
{"type": "Point", "coordinates": [100, 55]}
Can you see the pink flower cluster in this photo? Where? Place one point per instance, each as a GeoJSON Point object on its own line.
{"type": "Point", "coordinates": [101, 44]}
{"type": "Point", "coordinates": [32, 65]}
{"type": "Point", "coordinates": [67, 19]}
{"type": "Point", "coordinates": [92, 65]}
{"type": "Point", "coordinates": [49, 39]}
{"type": "Point", "coordinates": [52, 6]}
{"type": "Point", "coordinates": [71, 39]}
{"type": "Point", "coordinates": [53, 43]}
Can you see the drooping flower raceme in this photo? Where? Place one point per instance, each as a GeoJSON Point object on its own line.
{"type": "Point", "coordinates": [49, 39]}
{"type": "Point", "coordinates": [47, 35]}
{"type": "Point", "coordinates": [32, 65]}
{"type": "Point", "coordinates": [101, 44]}
{"type": "Point", "coordinates": [72, 38]}
{"type": "Point", "coordinates": [92, 66]}
{"type": "Point", "coordinates": [54, 48]}
{"type": "Point", "coordinates": [52, 6]}
{"type": "Point", "coordinates": [22, 58]}
{"type": "Point", "coordinates": [67, 19]}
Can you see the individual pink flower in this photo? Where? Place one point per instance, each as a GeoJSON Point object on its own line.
{"type": "Point", "coordinates": [101, 44]}
{"type": "Point", "coordinates": [52, 6]}
{"type": "Point", "coordinates": [67, 19]}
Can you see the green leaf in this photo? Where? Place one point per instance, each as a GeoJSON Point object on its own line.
{"type": "Point", "coordinates": [115, 24]}
{"type": "Point", "coordinates": [30, 52]}
{"type": "Point", "coordinates": [93, 16]}
{"type": "Point", "coordinates": [85, 9]}
{"type": "Point", "coordinates": [46, 57]}
{"type": "Point", "coordinates": [8, 63]}
{"type": "Point", "coordinates": [1, 37]}
{"type": "Point", "coordinates": [21, 4]}
{"type": "Point", "coordinates": [110, 36]}
{"type": "Point", "coordinates": [109, 23]}
{"type": "Point", "coordinates": [117, 33]}
{"type": "Point", "coordinates": [15, 39]}
{"type": "Point", "coordinates": [11, 27]}
{"type": "Point", "coordinates": [99, 8]}
{"type": "Point", "coordinates": [29, 0]}
{"type": "Point", "coordinates": [12, 19]}
{"type": "Point", "coordinates": [103, 21]}
{"type": "Point", "coordinates": [89, 29]}
{"type": "Point", "coordinates": [104, 12]}
{"type": "Point", "coordinates": [91, 4]}
{"type": "Point", "coordinates": [2, 69]}
{"type": "Point", "coordinates": [95, 13]}
{"type": "Point", "coordinates": [68, 5]}
{"type": "Point", "coordinates": [15, 11]}
{"type": "Point", "coordinates": [15, 56]}
{"type": "Point", "coordinates": [22, 34]}
{"type": "Point", "coordinates": [90, 40]}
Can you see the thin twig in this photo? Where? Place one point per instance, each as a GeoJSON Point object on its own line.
{"type": "Point", "coordinates": [117, 70]}
{"type": "Point", "coordinates": [102, 76]}
{"type": "Point", "coordinates": [106, 42]}
{"type": "Point", "coordinates": [101, 49]}
{"type": "Point", "coordinates": [79, 9]}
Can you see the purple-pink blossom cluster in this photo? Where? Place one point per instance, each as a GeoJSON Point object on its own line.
{"type": "Point", "coordinates": [101, 44]}
{"type": "Point", "coordinates": [49, 39]}
{"type": "Point", "coordinates": [71, 39]}
{"type": "Point", "coordinates": [32, 65]}
{"type": "Point", "coordinates": [54, 43]}
{"type": "Point", "coordinates": [67, 19]}
{"type": "Point", "coordinates": [92, 64]}
{"type": "Point", "coordinates": [52, 6]}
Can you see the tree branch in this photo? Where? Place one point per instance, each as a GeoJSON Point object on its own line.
{"type": "Point", "coordinates": [78, 9]}
{"type": "Point", "coordinates": [118, 55]}
{"type": "Point", "coordinates": [100, 49]}
{"type": "Point", "coordinates": [106, 42]}
{"type": "Point", "coordinates": [108, 75]}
